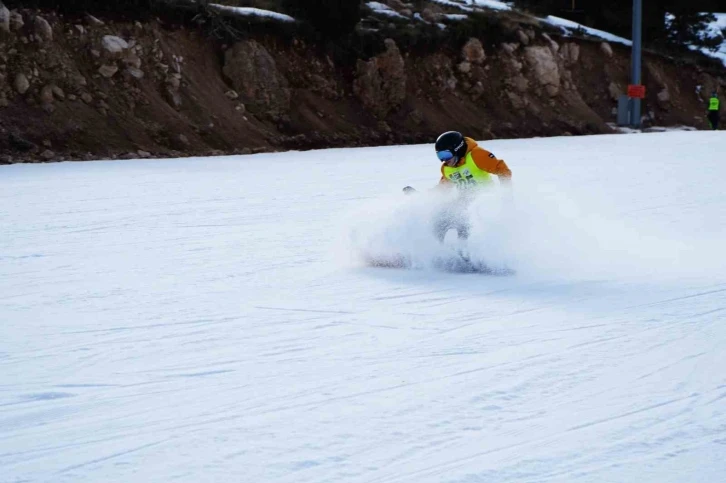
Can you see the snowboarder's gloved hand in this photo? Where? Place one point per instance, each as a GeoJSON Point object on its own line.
{"type": "Point", "coordinates": [408, 190]}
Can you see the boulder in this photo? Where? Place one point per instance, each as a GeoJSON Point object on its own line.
{"type": "Point", "coordinates": [16, 21]}
{"type": "Point", "coordinates": [431, 14]}
{"type": "Point", "coordinates": [523, 37]}
{"type": "Point", "coordinates": [4, 19]}
{"type": "Point", "coordinates": [93, 21]}
{"type": "Point", "coordinates": [46, 95]}
{"type": "Point", "coordinates": [544, 67]}
{"type": "Point", "coordinates": [553, 45]}
{"type": "Point", "coordinates": [108, 70]}
{"type": "Point", "coordinates": [113, 45]}
{"type": "Point", "coordinates": [606, 49]}
{"type": "Point", "coordinates": [21, 84]}
{"type": "Point", "coordinates": [43, 30]}
{"type": "Point", "coordinates": [135, 73]}
{"type": "Point", "coordinates": [570, 52]}
{"type": "Point", "coordinates": [380, 83]}
{"type": "Point", "coordinates": [255, 77]}
{"type": "Point", "coordinates": [664, 98]}
{"type": "Point", "coordinates": [473, 51]}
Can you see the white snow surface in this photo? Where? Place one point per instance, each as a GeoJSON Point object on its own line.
{"type": "Point", "coordinates": [492, 4]}
{"type": "Point", "coordinates": [252, 12]}
{"type": "Point", "coordinates": [209, 319]}
{"type": "Point", "coordinates": [568, 26]}
{"type": "Point", "coordinates": [383, 9]}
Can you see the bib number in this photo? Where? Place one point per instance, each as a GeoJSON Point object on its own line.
{"type": "Point", "coordinates": [463, 180]}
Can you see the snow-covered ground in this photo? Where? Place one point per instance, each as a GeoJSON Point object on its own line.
{"type": "Point", "coordinates": [208, 319]}
{"type": "Point", "coordinates": [569, 27]}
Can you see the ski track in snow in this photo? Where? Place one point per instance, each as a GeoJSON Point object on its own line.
{"type": "Point", "coordinates": [208, 320]}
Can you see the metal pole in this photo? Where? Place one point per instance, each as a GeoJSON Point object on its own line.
{"type": "Point", "coordinates": [636, 60]}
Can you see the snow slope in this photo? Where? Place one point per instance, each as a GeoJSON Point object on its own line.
{"type": "Point", "coordinates": [209, 320]}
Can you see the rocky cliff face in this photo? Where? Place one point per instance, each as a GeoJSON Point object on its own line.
{"type": "Point", "coordinates": [85, 88]}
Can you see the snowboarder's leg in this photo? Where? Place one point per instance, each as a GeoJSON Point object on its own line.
{"type": "Point", "coordinates": [713, 119]}
{"type": "Point", "coordinates": [441, 226]}
{"type": "Point", "coordinates": [462, 230]}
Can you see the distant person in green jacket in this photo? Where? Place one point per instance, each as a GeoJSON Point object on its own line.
{"type": "Point", "coordinates": [714, 114]}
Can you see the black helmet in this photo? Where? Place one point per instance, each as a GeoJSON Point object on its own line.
{"type": "Point", "coordinates": [452, 142]}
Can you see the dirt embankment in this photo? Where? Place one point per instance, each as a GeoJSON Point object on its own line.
{"type": "Point", "coordinates": [88, 88]}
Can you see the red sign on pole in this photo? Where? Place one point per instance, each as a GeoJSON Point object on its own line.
{"type": "Point", "coordinates": [636, 91]}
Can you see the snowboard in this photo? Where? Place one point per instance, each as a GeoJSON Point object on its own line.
{"type": "Point", "coordinates": [452, 263]}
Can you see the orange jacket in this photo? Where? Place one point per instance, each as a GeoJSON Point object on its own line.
{"type": "Point", "coordinates": [484, 160]}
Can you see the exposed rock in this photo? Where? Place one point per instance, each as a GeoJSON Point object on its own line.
{"type": "Point", "coordinates": [113, 45]}
{"type": "Point", "coordinates": [476, 91]}
{"type": "Point", "coordinates": [431, 14]}
{"type": "Point", "coordinates": [523, 38]}
{"type": "Point", "coordinates": [93, 21]}
{"type": "Point", "coordinates": [664, 98]}
{"type": "Point", "coordinates": [464, 67]}
{"type": "Point", "coordinates": [79, 80]}
{"type": "Point", "coordinates": [515, 65]}
{"type": "Point", "coordinates": [16, 21]}
{"type": "Point", "coordinates": [256, 78]}
{"type": "Point", "coordinates": [174, 80]}
{"type": "Point", "coordinates": [20, 143]}
{"type": "Point", "coordinates": [544, 66]}
{"type": "Point", "coordinates": [395, 4]}
{"type": "Point", "coordinates": [57, 92]}
{"type": "Point", "coordinates": [87, 98]}
{"type": "Point", "coordinates": [4, 19]}
{"type": "Point", "coordinates": [380, 83]}
{"type": "Point", "coordinates": [656, 74]}
{"type": "Point", "coordinates": [143, 154]}
{"type": "Point", "coordinates": [231, 94]}
{"type": "Point", "coordinates": [571, 53]}
{"type": "Point", "coordinates": [21, 84]}
{"type": "Point", "coordinates": [135, 73]}
{"type": "Point", "coordinates": [517, 101]}
{"type": "Point", "coordinates": [47, 155]}
{"type": "Point", "coordinates": [473, 51]}
{"type": "Point", "coordinates": [553, 45]}
{"type": "Point", "coordinates": [509, 48]}
{"type": "Point", "coordinates": [43, 30]}
{"type": "Point", "coordinates": [46, 95]}
{"type": "Point", "coordinates": [80, 29]}
{"type": "Point", "coordinates": [520, 83]}
{"type": "Point", "coordinates": [614, 91]}
{"type": "Point", "coordinates": [416, 116]}
{"type": "Point", "coordinates": [132, 60]}
{"type": "Point", "coordinates": [606, 49]}
{"type": "Point", "coordinates": [108, 70]}
{"type": "Point", "coordinates": [173, 97]}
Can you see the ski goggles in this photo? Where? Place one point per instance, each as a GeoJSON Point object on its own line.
{"type": "Point", "coordinates": [444, 155]}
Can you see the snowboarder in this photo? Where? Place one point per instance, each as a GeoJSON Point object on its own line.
{"type": "Point", "coordinates": [714, 114]}
{"type": "Point", "coordinates": [467, 167]}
